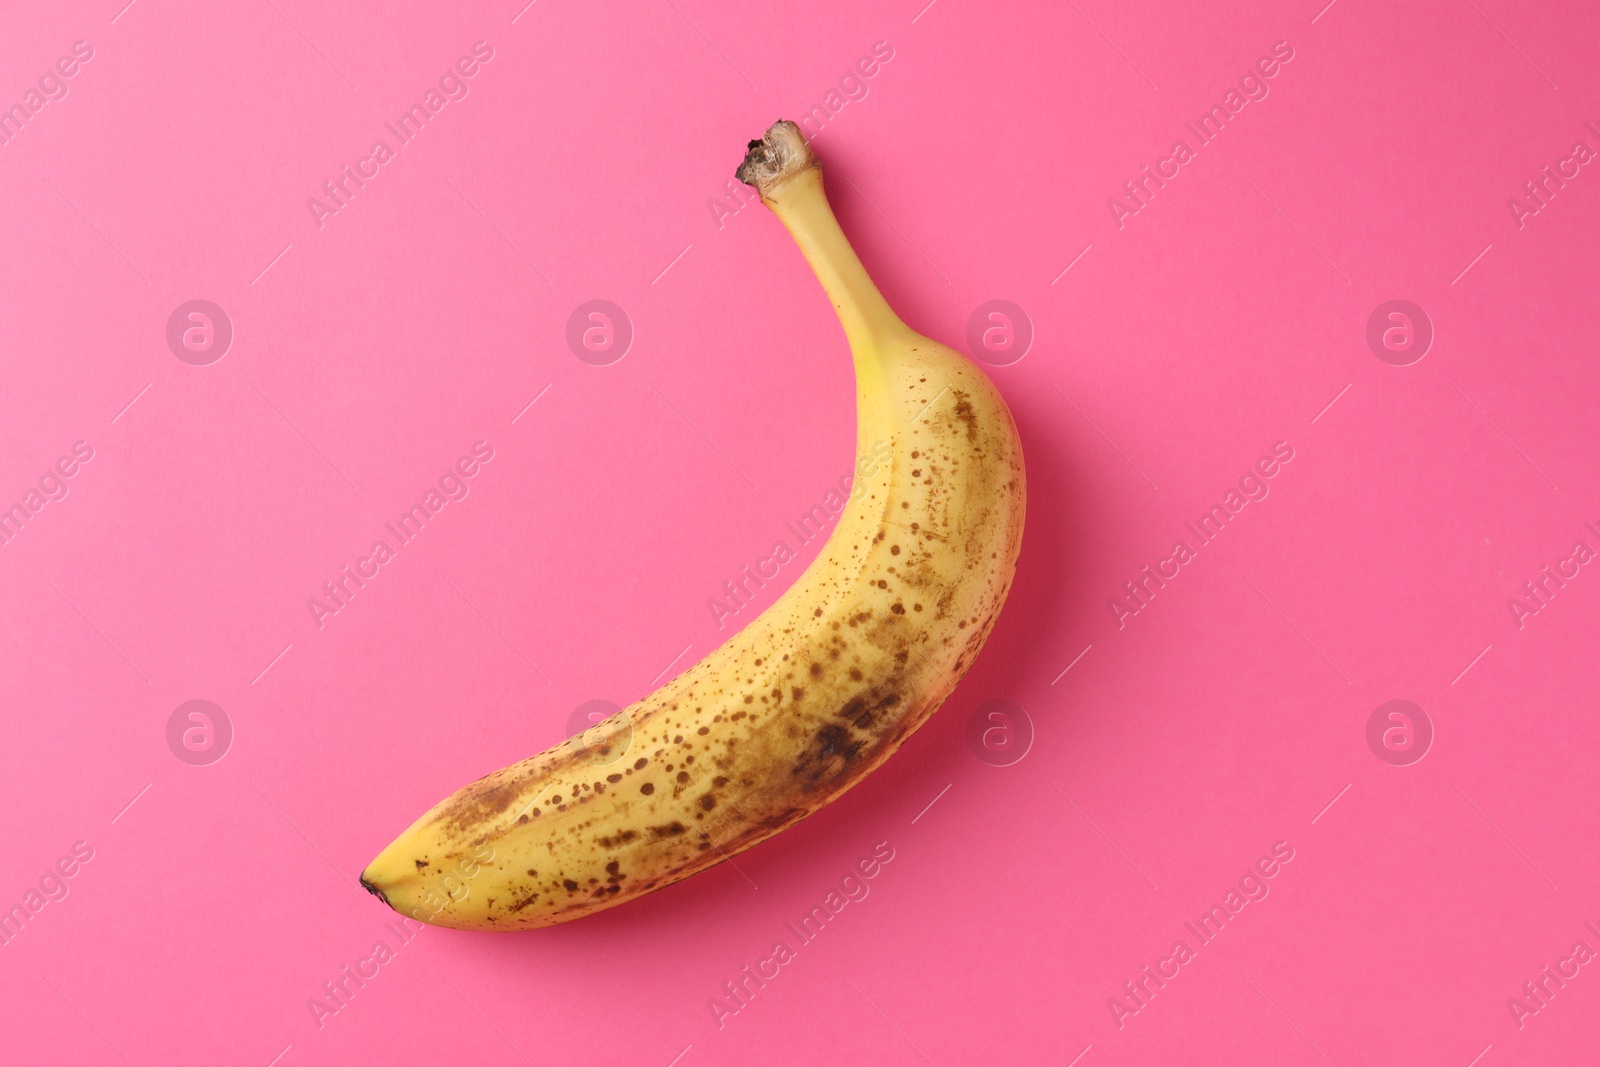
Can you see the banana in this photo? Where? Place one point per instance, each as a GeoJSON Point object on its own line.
{"type": "Point", "coordinates": [810, 697]}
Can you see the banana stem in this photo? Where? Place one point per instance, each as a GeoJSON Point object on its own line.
{"type": "Point", "coordinates": [783, 169]}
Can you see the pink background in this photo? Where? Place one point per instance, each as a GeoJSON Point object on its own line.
{"type": "Point", "coordinates": [1227, 715]}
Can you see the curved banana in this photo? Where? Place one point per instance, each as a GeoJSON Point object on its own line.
{"type": "Point", "coordinates": [812, 695]}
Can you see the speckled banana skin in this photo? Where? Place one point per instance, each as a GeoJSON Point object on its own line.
{"type": "Point", "coordinates": [808, 699]}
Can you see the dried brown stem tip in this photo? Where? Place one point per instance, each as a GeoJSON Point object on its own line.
{"type": "Point", "coordinates": [776, 158]}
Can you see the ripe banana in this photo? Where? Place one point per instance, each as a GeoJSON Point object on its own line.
{"type": "Point", "coordinates": [813, 694]}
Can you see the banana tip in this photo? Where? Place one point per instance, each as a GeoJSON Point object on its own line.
{"type": "Point", "coordinates": [374, 890]}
